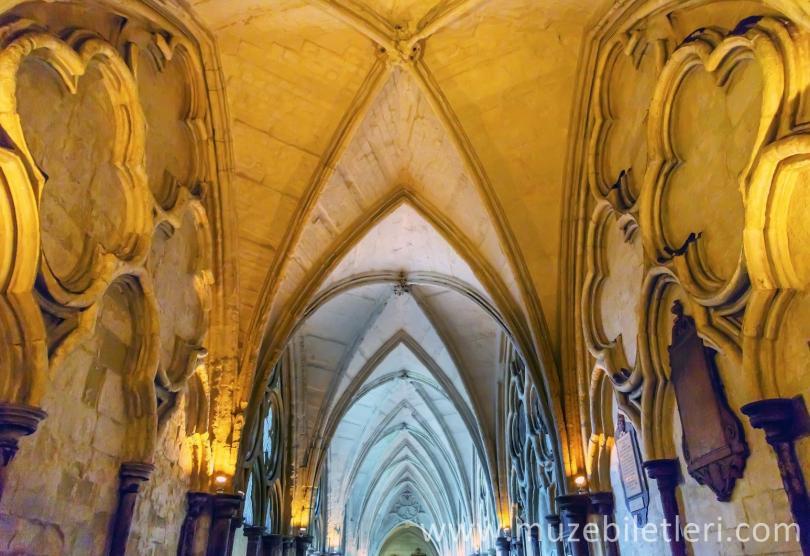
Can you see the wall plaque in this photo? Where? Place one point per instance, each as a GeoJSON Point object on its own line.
{"type": "Point", "coordinates": [714, 444]}
{"type": "Point", "coordinates": [634, 482]}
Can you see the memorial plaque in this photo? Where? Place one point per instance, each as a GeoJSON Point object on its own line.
{"type": "Point", "coordinates": [634, 482]}
{"type": "Point", "coordinates": [714, 444]}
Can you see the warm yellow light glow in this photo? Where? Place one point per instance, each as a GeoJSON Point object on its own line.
{"type": "Point", "coordinates": [300, 520]}
{"type": "Point", "coordinates": [333, 538]}
{"type": "Point", "coordinates": [220, 479]}
{"type": "Point", "coordinates": [580, 481]}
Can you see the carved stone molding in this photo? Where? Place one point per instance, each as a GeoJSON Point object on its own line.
{"type": "Point", "coordinates": [103, 254]}
{"type": "Point", "coordinates": [617, 149]}
{"type": "Point", "coordinates": [615, 272]}
{"type": "Point", "coordinates": [718, 204]}
{"type": "Point", "coordinates": [769, 44]}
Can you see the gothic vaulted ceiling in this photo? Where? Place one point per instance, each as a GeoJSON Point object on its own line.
{"type": "Point", "coordinates": [398, 168]}
{"type": "Point", "coordinates": [314, 103]}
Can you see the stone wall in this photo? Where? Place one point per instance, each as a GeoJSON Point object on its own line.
{"type": "Point", "coordinates": [688, 114]}
{"type": "Point", "coordinates": [107, 113]}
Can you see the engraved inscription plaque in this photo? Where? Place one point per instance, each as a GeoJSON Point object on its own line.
{"type": "Point", "coordinates": [714, 444]}
{"type": "Point", "coordinates": [634, 483]}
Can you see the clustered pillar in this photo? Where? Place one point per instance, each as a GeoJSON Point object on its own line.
{"type": "Point", "coordinates": [254, 540]}
{"type": "Point", "coordinates": [574, 514]}
{"type": "Point", "coordinates": [784, 421]}
{"type": "Point", "coordinates": [130, 478]}
{"type": "Point", "coordinates": [667, 474]}
{"type": "Point", "coordinates": [197, 503]}
{"type": "Point", "coordinates": [603, 504]}
{"type": "Point", "coordinates": [225, 517]}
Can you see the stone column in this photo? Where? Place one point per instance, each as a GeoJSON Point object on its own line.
{"type": "Point", "coordinates": [302, 542]}
{"type": "Point", "coordinates": [272, 545]}
{"type": "Point", "coordinates": [196, 504]}
{"type": "Point", "coordinates": [534, 539]}
{"type": "Point", "coordinates": [130, 477]}
{"type": "Point", "coordinates": [574, 514]}
{"type": "Point", "coordinates": [667, 474]}
{"type": "Point", "coordinates": [254, 540]}
{"type": "Point", "coordinates": [502, 546]}
{"type": "Point", "coordinates": [226, 508]}
{"type": "Point", "coordinates": [554, 533]}
{"type": "Point", "coordinates": [16, 421]}
{"type": "Point", "coordinates": [603, 503]}
{"type": "Point", "coordinates": [236, 523]}
{"type": "Point", "coordinates": [784, 421]}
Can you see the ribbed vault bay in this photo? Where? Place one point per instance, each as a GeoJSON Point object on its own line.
{"type": "Point", "coordinates": [392, 378]}
{"type": "Point", "coordinates": [314, 101]}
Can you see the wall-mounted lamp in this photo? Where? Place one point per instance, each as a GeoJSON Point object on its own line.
{"type": "Point", "coordinates": [581, 482]}
{"type": "Point", "coordinates": [220, 481]}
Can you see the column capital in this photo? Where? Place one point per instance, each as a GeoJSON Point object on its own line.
{"type": "Point", "coordinates": [782, 419]}
{"type": "Point", "coordinates": [197, 502]}
{"type": "Point", "coordinates": [132, 474]}
{"type": "Point", "coordinates": [16, 421]}
{"type": "Point", "coordinates": [575, 504]}
{"type": "Point", "coordinates": [227, 506]}
{"type": "Point", "coordinates": [667, 474]}
{"type": "Point", "coordinates": [664, 471]}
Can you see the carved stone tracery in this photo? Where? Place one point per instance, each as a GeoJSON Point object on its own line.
{"type": "Point", "coordinates": [92, 246]}
{"type": "Point", "coordinates": [531, 452]}
{"type": "Point", "coordinates": [726, 148]}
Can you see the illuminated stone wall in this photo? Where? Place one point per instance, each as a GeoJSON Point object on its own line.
{"type": "Point", "coordinates": [692, 177]}
{"type": "Point", "coordinates": [107, 156]}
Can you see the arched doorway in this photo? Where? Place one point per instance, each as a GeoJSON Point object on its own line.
{"type": "Point", "coordinates": [407, 541]}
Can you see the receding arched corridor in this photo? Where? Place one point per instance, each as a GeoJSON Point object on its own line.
{"type": "Point", "coordinates": [404, 277]}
